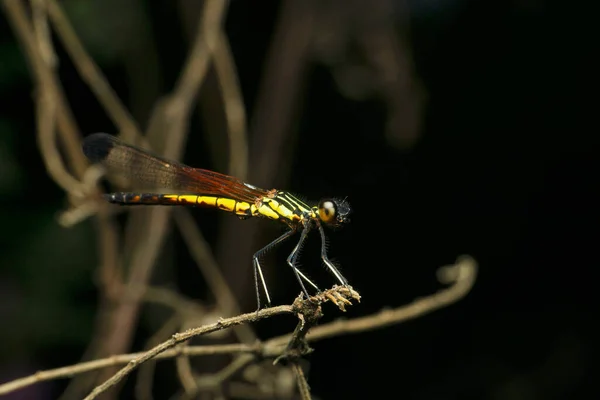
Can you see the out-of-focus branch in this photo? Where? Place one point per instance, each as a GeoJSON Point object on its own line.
{"type": "Point", "coordinates": [235, 113]}
{"type": "Point", "coordinates": [46, 108]}
{"type": "Point", "coordinates": [185, 373]}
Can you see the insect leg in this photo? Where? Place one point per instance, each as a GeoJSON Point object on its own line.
{"type": "Point", "coordinates": [258, 270]}
{"type": "Point", "coordinates": [291, 260]}
{"type": "Point", "coordinates": [326, 260]}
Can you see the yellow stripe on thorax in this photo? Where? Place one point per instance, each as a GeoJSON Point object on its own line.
{"type": "Point", "coordinates": [283, 207]}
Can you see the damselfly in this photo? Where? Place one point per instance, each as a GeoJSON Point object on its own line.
{"type": "Point", "coordinates": [204, 188]}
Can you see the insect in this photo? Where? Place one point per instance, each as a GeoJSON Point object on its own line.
{"type": "Point", "coordinates": [205, 188]}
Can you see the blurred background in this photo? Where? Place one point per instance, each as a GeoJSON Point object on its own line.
{"type": "Point", "coordinates": [452, 126]}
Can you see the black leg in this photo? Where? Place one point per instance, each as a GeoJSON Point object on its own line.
{"type": "Point", "coordinates": [291, 260]}
{"type": "Point", "coordinates": [326, 260]}
{"type": "Point", "coordinates": [258, 271]}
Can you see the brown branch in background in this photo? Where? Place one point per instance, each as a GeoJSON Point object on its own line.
{"type": "Point", "coordinates": [47, 82]}
{"type": "Point", "coordinates": [46, 108]}
{"type": "Point", "coordinates": [461, 276]}
{"type": "Point", "coordinates": [233, 106]}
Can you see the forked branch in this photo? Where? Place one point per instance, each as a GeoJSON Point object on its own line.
{"type": "Point", "coordinates": [460, 276]}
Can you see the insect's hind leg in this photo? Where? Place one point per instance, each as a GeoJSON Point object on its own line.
{"type": "Point", "coordinates": [258, 270]}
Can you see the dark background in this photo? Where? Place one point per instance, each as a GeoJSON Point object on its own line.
{"type": "Point", "coordinates": [502, 167]}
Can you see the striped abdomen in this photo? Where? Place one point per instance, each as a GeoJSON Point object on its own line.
{"type": "Point", "coordinates": [240, 208]}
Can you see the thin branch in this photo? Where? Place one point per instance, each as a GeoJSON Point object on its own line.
{"type": "Point", "coordinates": [80, 368]}
{"type": "Point", "coordinates": [233, 106]}
{"type": "Point", "coordinates": [47, 82]}
{"type": "Point", "coordinates": [46, 109]}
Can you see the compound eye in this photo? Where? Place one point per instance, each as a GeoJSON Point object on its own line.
{"type": "Point", "coordinates": [327, 211]}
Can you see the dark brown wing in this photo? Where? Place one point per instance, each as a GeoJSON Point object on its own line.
{"type": "Point", "coordinates": [145, 167]}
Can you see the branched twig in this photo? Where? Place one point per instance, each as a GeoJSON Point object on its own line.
{"type": "Point", "coordinates": [461, 275]}
{"type": "Point", "coordinates": [299, 307]}
{"type": "Point", "coordinates": [309, 313]}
